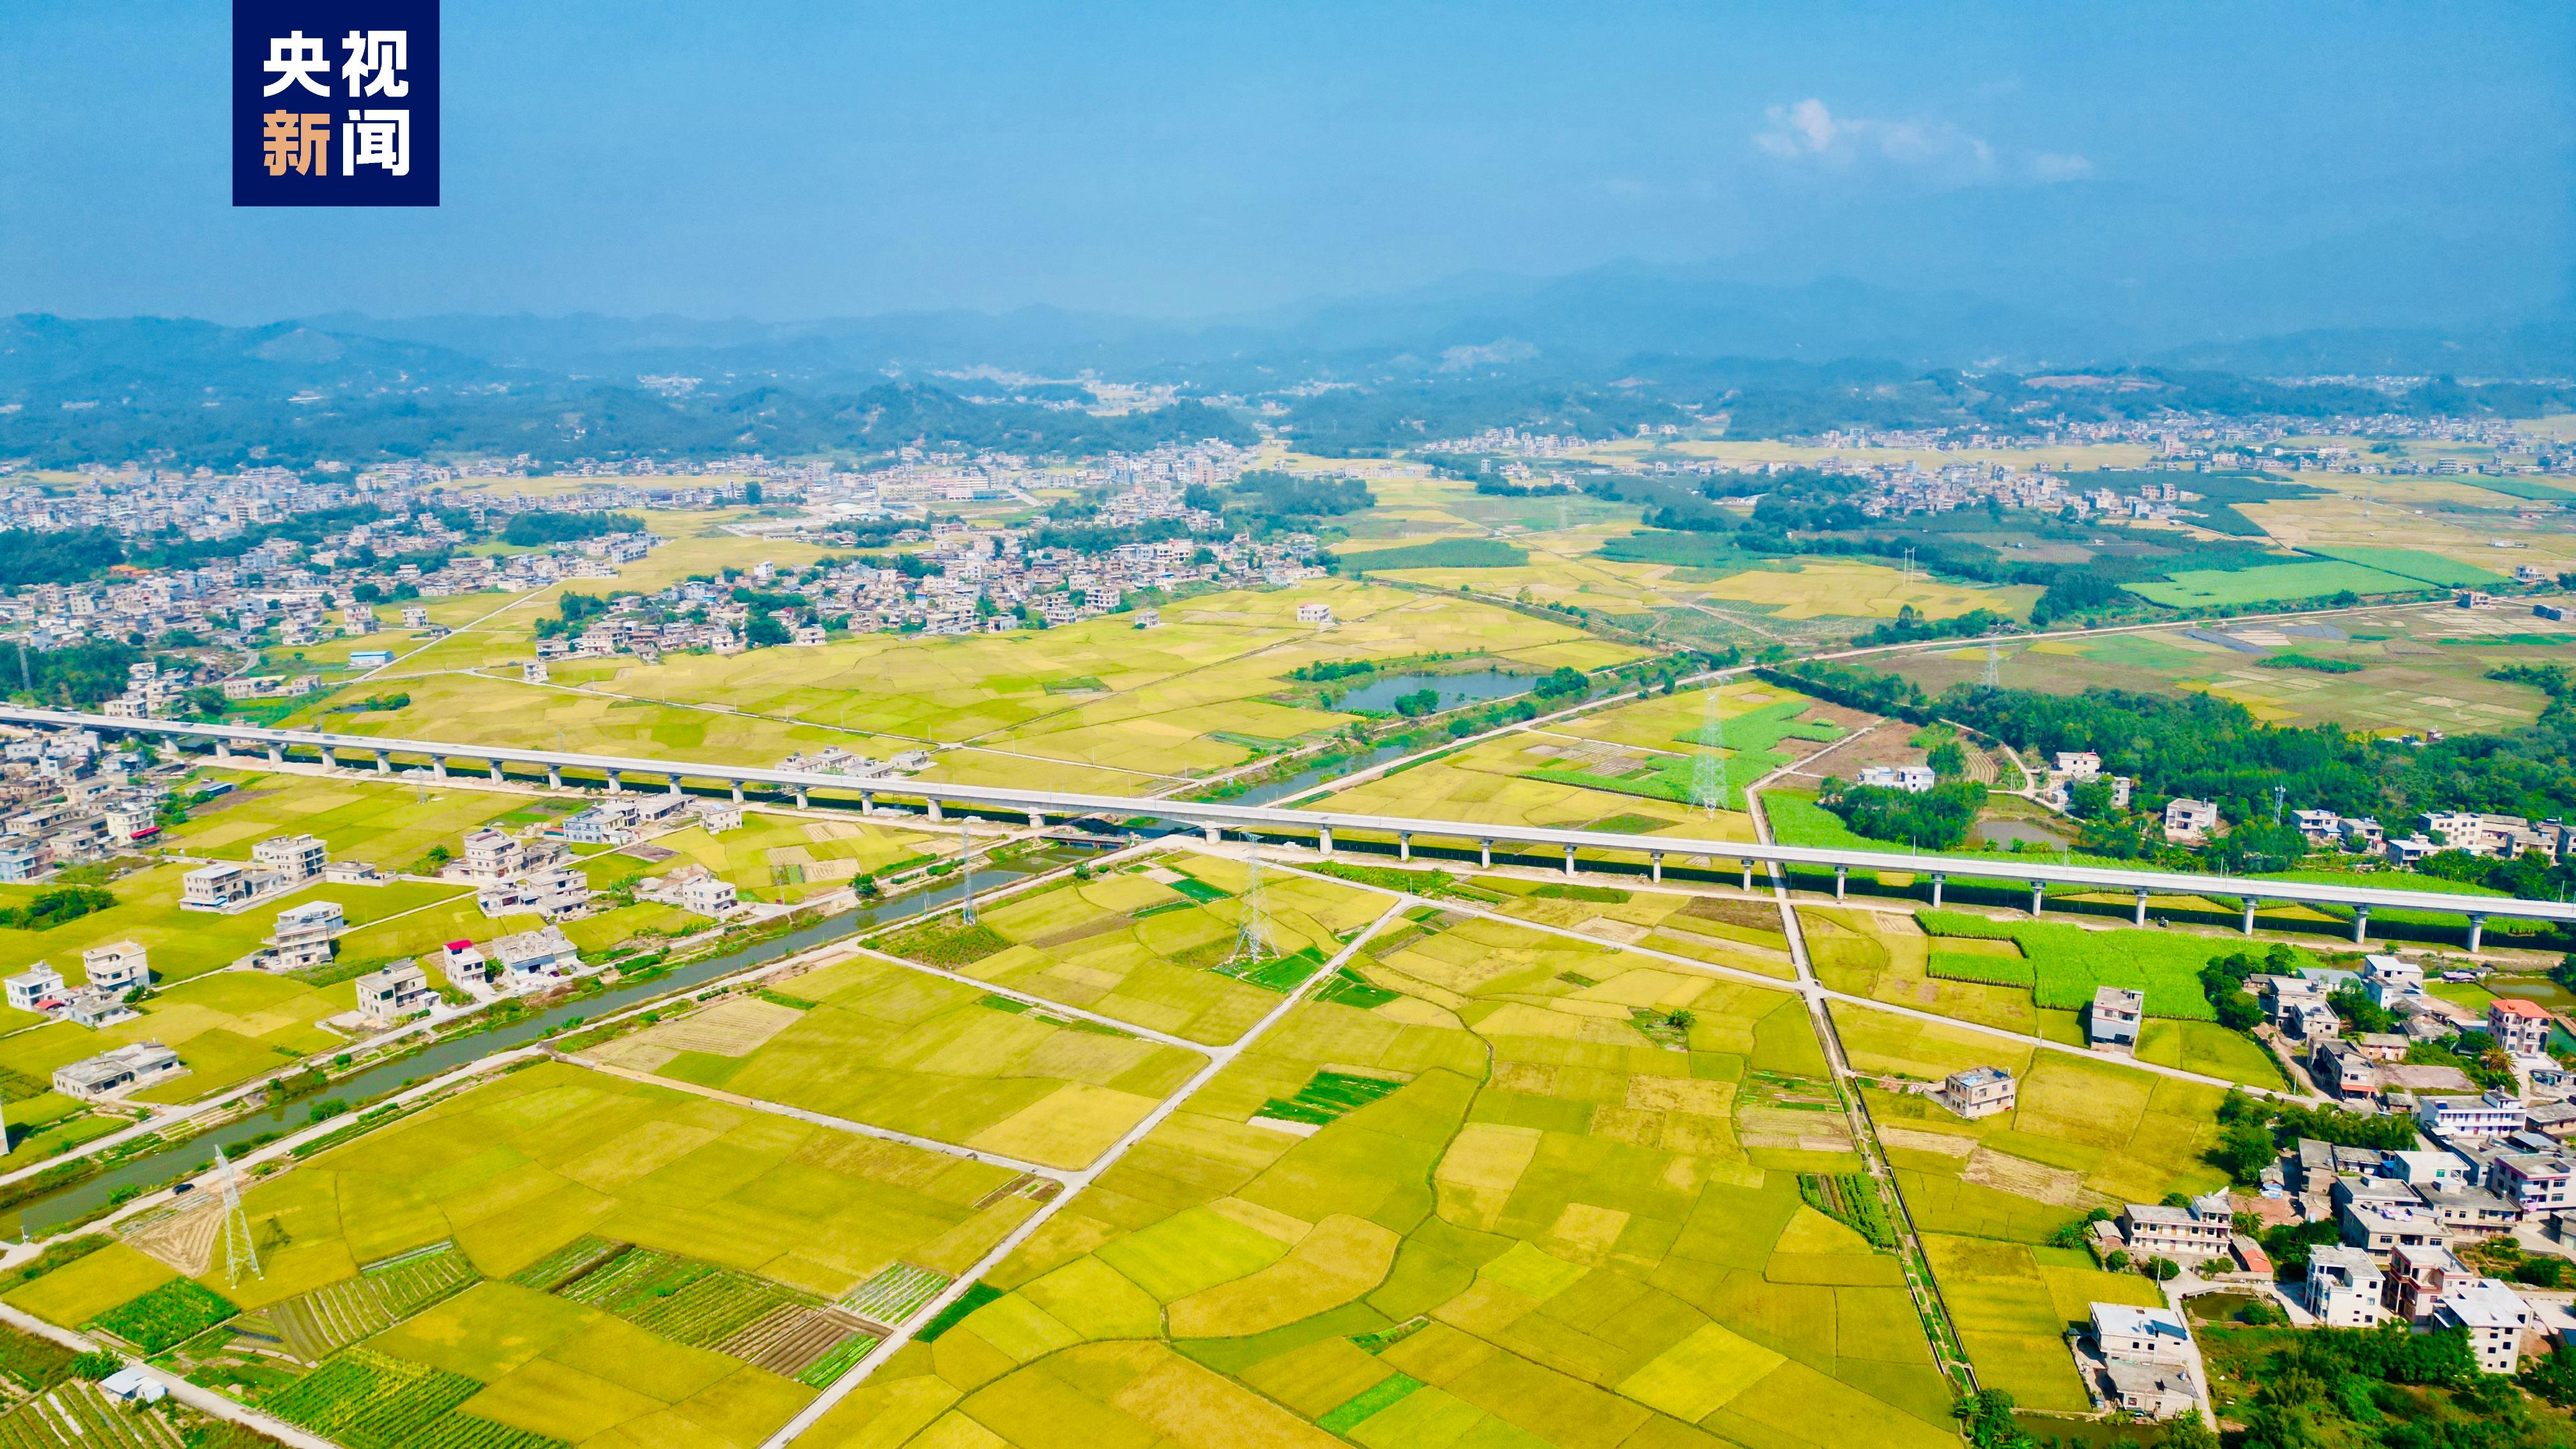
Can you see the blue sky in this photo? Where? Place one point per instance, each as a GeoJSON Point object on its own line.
{"type": "Point", "coordinates": [795, 160]}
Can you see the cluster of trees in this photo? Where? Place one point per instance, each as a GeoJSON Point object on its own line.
{"type": "Point", "coordinates": [2202, 747]}
{"type": "Point", "coordinates": [51, 908]}
{"type": "Point", "coordinates": [1908, 627]}
{"type": "Point", "coordinates": [2387, 1386]}
{"type": "Point", "coordinates": [572, 611]}
{"type": "Point", "coordinates": [529, 530]}
{"type": "Point", "coordinates": [78, 675]}
{"type": "Point", "coordinates": [1935, 819]}
{"type": "Point", "coordinates": [2254, 1132]}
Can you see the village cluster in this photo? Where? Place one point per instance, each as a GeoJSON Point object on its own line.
{"type": "Point", "coordinates": [536, 872]}
{"type": "Point", "coordinates": [2483, 1165]}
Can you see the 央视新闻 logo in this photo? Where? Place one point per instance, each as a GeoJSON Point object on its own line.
{"type": "Point", "coordinates": [335, 104]}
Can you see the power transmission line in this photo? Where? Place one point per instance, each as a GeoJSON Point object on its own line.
{"type": "Point", "coordinates": [1708, 770]}
{"type": "Point", "coordinates": [239, 1250]}
{"type": "Point", "coordinates": [1252, 933]}
{"type": "Point", "coordinates": [966, 868]}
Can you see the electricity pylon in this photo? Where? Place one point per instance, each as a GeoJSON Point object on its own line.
{"type": "Point", "coordinates": [1708, 770]}
{"type": "Point", "coordinates": [1252, 933]}
{"type": "Point", "coordinates": [1994, 667]}
{"type": "Point", "coordinates": [239, 1251]}
{"type": "Point", "coordinates": [966, 868]}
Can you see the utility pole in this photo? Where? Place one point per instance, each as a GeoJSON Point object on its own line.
{"type": "Point", "coordinates": [966, 868]}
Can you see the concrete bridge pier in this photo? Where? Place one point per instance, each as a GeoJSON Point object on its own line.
{"type": "Point", "coordinates": [1569, 862]}
{"type": "Point", "coordinates": [867, 800]}
{"type": "Point", "coordinates": [277, 754]}
{"type": "Point", "coordinates": [2477, 931]}
{"type": "Point", "coordinates": [384, 763]}
{"type": "Point", "coordinates": [1485, 854]}
{"type": "Point", "coordinates": [934, 809]}
{"type": "Point", "coordinates": [2360, 924]}
{"type": "Point", "coordinates": [1748, 873]}
{"type": "Point", "coordinates": [438, 766]}
{"type": "Point", "coordinates": [2038, 897]}
{"type": "Point", "coordinates": [554, 777]}
{"type": "Point", "coordinates": [2250, 903]}
{"type": "Point", "coordinates": [616, 783]}
{"type": "Point", "coordinates": [1404, 845]}
{"type": "Point", "coordinates": [1323, 840]}
{"type": "Point", "coordinates": [737, 791]}
{"type": "Point", "coordinates": [800, 798]}
{"type": "Point", "coordinates": [496, 771]}
{"type": "Point", "coordinates": [1037, 820]}
{"type": "Point", "coordinates": [2141, 917]}
{"type": "Point", "coordinates": [223, 748]}
{"type": "Point", "coordinates": [1215, 834]}
{"type": "Point", "coordinates": [675, 784]}
{"type": "Point", "coordinates": [1842, 878]}
{"type": "Point", "coordinates": [1655, 867]}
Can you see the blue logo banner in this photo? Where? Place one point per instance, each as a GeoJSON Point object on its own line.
{"type": "Point", "coordinates": [335, 103]}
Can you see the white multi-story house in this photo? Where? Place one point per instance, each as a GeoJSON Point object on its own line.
{"type": "Point", "coordinates": [2491, 1114]}
{"type": "Point", "coordinates": [2343, 1286]}
{"type": "Point", "coordinates": [387, 996]}
{"type": "Point", "coordinates": [2145, 1335]}
{"type": "Point", "coordinates": [494, 855]}
{"type": "Point", "coordinates": [214, 887]}
{"type": "Point", "coordinates": [2198, 1231]}
{"type": "Point", "coordinates": [2189, 819]}
{"type": "Point", "coordinates": [2114, 1017]}
{"type": "Point", "coordinates": [121, 967]}
{"type": "Point", "coordinates": [531, 956]}
{"type": "Point", "coordinates": [291, 858]}
{"type": "Point", "coordinates": [708, 895]}
{"type": "Point", "coordinates": [32, 987]}
{"type": "Point", "coordinates": [1917, 779]}
{"type": "Point", "coordinates": [2493, 1317]}
{"type": "Point", "coordinates": [2537, 1183]}
{"type": "Point", "coordinates": [1977, 1092]}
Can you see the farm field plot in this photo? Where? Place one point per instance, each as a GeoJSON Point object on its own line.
{"type": "Point", "coordinates": [1537, 1222]}
{"type": "Point", "coordinates": [190, 943]}
{"type": "Point", "coordinates": [483, 709]}
{"type": "Point", "coordinates": [385, 825]}
{"type": "Point", "coordinates": [75, 1414]}
{"type": "Point", "coordinates": [1844, 588]}
{"type": "Point", "coordinates": [2419, 665]}
{"type": "Point", "coordinates": [1725, 931]}
{"type": "Point", "coordinates": [898, 1048]}
{"type": "Point", "coordinates": [786, 858]}
{"type": "Point", "coordinates": [1141, 945]}
{"type": "Point", "coordinates": [563, 1256]}
{"type": "Point", "coordinates": [2064, 964]}
{"type": "Point", "coordinates": [1128, 706]}
{"type": "Point", "coordinates": [1886, 956]}
{"type": "Point", "coordinates": [2086, 1132]}
{"type": "Point", "coordinates": [2453, 518]}
{"type": "Point", "coordinates": [2286, 583]}
{"type": "Point", "coordinates": [1500, 782]}
{"type": "Point", "coordinates": [228, 1027]}
{"type": "Point", "coordinates": [2014, 1305]}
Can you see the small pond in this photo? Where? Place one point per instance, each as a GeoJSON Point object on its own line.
{"type": "Point", "coordinates": [1381, 693]}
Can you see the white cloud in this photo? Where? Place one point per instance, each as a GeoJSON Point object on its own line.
{"type": "Point", "coordinates": [1810, 131]}
{"type": "Point", "coordinates": [2056, 166]}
